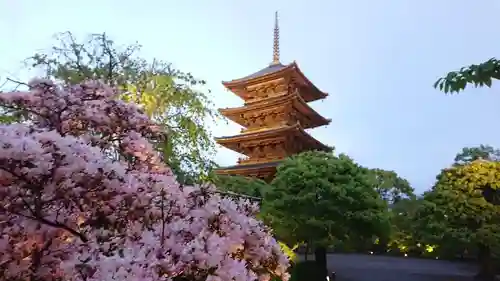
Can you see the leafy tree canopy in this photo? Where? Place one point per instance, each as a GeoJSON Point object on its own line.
{"type": "Point", "coordinates": [391, 187]}
{"type": "Point", "coordinates": [456, 208]}
{"type": "Point", "coordinates": [455, 213]}
{"type": "Point", "coordinates": [241, 185]}
{"type": "Point", "coordinates": [478, 75]}
{"type": "Point", "coordinates": [169, 96]}
{"type": "Point", "coordinates": [402, 215]}
{"type": "Point", "coordinates": [321, 198]}
{"type": "Point", "coordinates": [469, 154]}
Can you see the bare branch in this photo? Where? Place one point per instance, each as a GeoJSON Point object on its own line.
{"type": "Point", "coordinates": [229, 193]}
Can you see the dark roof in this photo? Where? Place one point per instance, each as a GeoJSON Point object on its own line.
{"type": "Point", "coordinates": [252, 166]}
{"type": "Point", "coordinates": [270, 69]}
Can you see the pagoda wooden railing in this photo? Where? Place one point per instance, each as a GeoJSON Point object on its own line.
{"type": "Point", "coordinates": [248, 160]}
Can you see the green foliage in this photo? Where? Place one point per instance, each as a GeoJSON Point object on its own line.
{"type": "Point", "coordinates": [478, 75]}
{"type": "Point", "coordinates": [171, 97]}
{"type": "Point", "coordinates": [10, 115]}
{"type": "Point", "coordinates": [469, 154]}
{"type": "Point", "coordinates": [391, 187]}
{"type": "Point", "coordinates": [321, 198]}
{"type": "Point", "coordinates": [402, 227]}
{"type": "Point", "coordinates": [306, 270]}
{"type": "Point", "coordinates": [241, 185]}
{"type": "Point", "coordinates": [289, 252]}
{"type": "Point", "coordinates": [455, 214]}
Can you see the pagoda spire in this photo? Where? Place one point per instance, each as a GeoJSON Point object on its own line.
{"type": "Point", "coordinates": [276, 43]}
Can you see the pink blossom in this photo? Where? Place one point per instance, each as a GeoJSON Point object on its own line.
{"type": "Point", "coordinates": [84, 196]}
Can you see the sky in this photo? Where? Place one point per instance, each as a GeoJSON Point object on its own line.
{"type": "Point", "coordinates": [378, 61]}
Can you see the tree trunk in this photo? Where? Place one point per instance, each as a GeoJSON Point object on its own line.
{"type": "Point", "coordinates": [486, 266]}
{"type": "Point", "coordinates": [307, 251]}
{"type": "Point", "coordinates": [320, 258]}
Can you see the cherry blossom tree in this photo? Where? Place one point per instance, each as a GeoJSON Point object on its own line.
{"type": "Point", "coordinates": [84, 196]}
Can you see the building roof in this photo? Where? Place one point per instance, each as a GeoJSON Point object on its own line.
{"type": "Point", "coordinates": [232, 142]}
{"type": "Point", "coordinates": [252, 166]}
{"type": "Point", "coordinates": [274, 71]}
{"type": "Point", "coordinates": [298, 103]}
{"type": "Point", "coordinates": [267, 70]}
{"type": "Point", "coordinates": [265, 170]}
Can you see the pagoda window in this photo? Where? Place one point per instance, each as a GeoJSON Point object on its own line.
{"type": "Point", "coordinates": [260, 152]}
{"type": "Point", "coordinates": [249, 151]}
{"type": "Point", "coordinates": [254, 152]}
{"type": "Point", "coordinates": [272, 147]}
{"type": "Point", "coordinates": [266, 151]}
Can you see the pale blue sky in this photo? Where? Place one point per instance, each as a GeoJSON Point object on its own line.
{"type": "Point", "coordinates": [377, 59]}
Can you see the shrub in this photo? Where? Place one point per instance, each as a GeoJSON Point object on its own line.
{"type": "Point", "coordinates": [307, 271]}
{"type": "Point", "coordinates": [85, 196]}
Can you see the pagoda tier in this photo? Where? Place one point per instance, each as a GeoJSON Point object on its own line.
{"type": "Point", "coordinates": [273, 144]}
{"type": "Point", "coordinates": [274, 80]}
{"type": "Point", "coordinates": [275, 111]}
{"type": "Point", "coordinates": [264, 171]}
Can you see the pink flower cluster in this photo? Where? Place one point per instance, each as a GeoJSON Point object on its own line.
{"type": "Point", "coordinates": [84, 196]}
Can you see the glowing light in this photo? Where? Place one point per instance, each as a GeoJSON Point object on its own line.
{"type": "Point", "coordinates": [406, 255]}
{"type": "Point", "coordinates": [429, 248]}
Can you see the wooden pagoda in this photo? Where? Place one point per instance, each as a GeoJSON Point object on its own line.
{"type": "Point", "coordinates": [275, 116]}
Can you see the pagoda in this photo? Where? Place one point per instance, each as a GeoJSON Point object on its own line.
{"type": "Point", "coordinates": [275, 116]}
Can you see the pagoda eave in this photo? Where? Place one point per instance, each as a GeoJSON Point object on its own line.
{"type": "Point", "coordinates": [264, 171]}
{"type": "Point", "coordinates": [316, 94]}
{"type": "Point", "coordinates": [235, 113]}
{"type": "Point", "coordinates": [275, 72]}
{"type": "Point", "coordinates": [262, 75]}
{"type": "Point", "coordinates": [233, 142]}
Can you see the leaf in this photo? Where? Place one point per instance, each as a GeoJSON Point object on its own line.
{"type": "Point", "coordinates": [477, 75]}
{"type": "Point", "coordinates": [437, 82]}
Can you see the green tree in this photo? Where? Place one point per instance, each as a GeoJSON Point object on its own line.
{"type": "Point", "coordinates": [478, 75]}
{"type": "Point", "coordinates": [455, 214]}
{"type": "Point", "coordinates": [241, 185]}
{"type": "Point", "coordinates": [402, 239]}
{"type": "Point", "coordinates": [391, 187]}
{"type": "Point", "coordinates": [469, 154]}
{"type": "Point", "coordinates": [169, 96]}
{"type": "Point", "coordinates": [321, 199]}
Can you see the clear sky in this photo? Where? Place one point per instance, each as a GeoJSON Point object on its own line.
{"type": "Point", "coordinates": [377, 59]}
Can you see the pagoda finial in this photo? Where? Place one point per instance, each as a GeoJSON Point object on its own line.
{"type": "Point", "coordinates": [276, 45]}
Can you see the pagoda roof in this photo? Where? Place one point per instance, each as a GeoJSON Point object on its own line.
{"type": "Point", "coordinates": [274, 71]}
{"type": "Point", "coordinates": [252, 166]}
{"type": "Point", "coordinates": [266, 70]}
{"type": "Point", "coordinates": [232, 142]}
{"type": "Point", "coordinates": [234, 114]}
{"type": "Point", "coordinates": [263, 170]}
